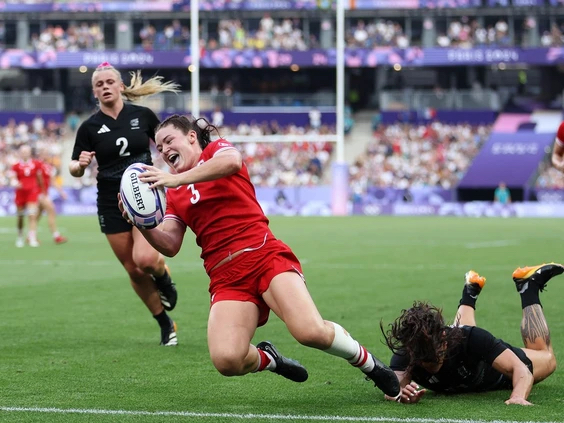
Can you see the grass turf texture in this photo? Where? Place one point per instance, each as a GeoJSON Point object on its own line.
{"type": "Point", "coordinates": [75, 336]}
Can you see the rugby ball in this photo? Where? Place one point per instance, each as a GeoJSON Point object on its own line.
{"type": "Point", "coordinates": [145, 207]}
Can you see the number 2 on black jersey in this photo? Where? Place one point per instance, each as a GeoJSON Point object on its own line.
{"type": "Point", "coordinates": [124, 143]}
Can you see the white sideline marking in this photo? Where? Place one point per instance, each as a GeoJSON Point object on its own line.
{"type": "Point", "coordinates": [184, 265]}
{"type": "Point", "coordinates": [250, 416]}
{"type": "Point", "coordinates": [492, 244]}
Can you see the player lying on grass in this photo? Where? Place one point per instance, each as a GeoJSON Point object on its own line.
{"type": "Point", "coordinates": [465, 358]}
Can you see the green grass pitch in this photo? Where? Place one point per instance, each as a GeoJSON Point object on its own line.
{"type": "Point", "coordinates": [75, 336]}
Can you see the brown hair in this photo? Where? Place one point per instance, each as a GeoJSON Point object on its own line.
{"type": "Point", "coordinates": [138, 89]}
{"type": "Point", "coordinates": [421, 334]}
{"type": "Point", "coordinates": [186, 124]}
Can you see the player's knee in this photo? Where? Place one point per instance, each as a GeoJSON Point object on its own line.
{"type": "Point", "coordinates": [135, 273]}
{"type": "Point", "coordinates": [314, 335]}
{"type": "Point", "coordinates": [551, 364]}
{"type": "Point", "coordinates": [228, 364]}
{"type": "Point", "coordinates": [146, 261]}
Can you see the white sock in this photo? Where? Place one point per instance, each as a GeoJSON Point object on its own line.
{"type": "Point", "coordinates": [56, 234]}
{"type": "Point", "coordinates": [345, 346]}
{"type": "Point", "coordinates": [32, 236]}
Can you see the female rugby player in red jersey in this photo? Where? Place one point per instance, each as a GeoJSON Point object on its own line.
{"type": "Point", "coordinates": [251, 272]}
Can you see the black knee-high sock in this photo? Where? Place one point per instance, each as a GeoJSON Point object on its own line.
{"type": "Point", "coordinates": [530, 295]}
{"type": "Point", "coordinates": [468, 298]}
{"type": "Point", "coordinates": [162, 319]}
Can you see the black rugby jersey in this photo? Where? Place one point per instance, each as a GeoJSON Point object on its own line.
{"type": "Point", "coordinates": [118, 143]}
{"type": "Point", "coordinates": [467, 368]}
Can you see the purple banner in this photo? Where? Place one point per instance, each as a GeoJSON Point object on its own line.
{"type": "Point", "coordinates": [546, 195]}
{"type": "Point", "coordinates": [316, 201]}
{"type": "Point", "coordinates": [248, 58]}
{"type": "Point", "coordinates": [444, 4]}
{"type": "Point", "coordinates": [470, 209]}
{"type": "Point", "coordinates": [515, 3]}
{"type": "Point", "coordinates": [218, 5]}
{"type": "Point", "coordinates": [5, 117]}
{"type": "Point", "coordinates": [473, 117]}
{"type": "Point", "coordinates": [511, 158]}
{"type": "Point", "coordinates": [415, 196]}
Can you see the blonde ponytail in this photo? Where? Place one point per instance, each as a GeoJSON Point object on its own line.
{"type": "Point", "coordinates": [138, 89]}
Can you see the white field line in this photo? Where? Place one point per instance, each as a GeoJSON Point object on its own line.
{"type": "Point", "coordinates": [276, 417]}
{"type": "Point", "coordinates": [308, 264]}
{"type": "Point", "coordinates": [492, 244]}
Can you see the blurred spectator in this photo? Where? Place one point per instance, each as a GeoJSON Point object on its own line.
{"type": "Point", "coordinates": [315, 118]}
{"type": "Point", "coordinates": [217, 117]}
{"type": "Point", "coordinates": [502, 194]}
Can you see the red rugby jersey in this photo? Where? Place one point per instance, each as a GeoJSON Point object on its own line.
{"type": "Point", "coordinates": [224, 214]}
{"type": "Point", "coordinates": [27, 174]}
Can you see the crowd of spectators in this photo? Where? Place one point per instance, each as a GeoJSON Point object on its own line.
{"type": "Point", "coordinates": [468, 33]}
{"type": "Point", "coordinates": [40, 135]}
{"type": "Point", "coordinates": [86, 36]}
{"type": "Point", "coordinates": [376, 33]}
{"type": "Point", "coordinates": [288, 34]}
{"type": "Point", "coordinates": [405, 156]}
{"type": "Point", "coordinates": [549, 177]}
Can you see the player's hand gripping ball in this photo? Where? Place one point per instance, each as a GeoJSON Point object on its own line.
{"type": "Point", "coordinates": [144, 206]}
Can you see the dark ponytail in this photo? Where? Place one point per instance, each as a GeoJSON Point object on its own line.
{"type": "Point", "coordinates": [186, 124]}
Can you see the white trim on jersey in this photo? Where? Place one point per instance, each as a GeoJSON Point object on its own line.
{"type": "Point", "coordinates": [173, 217]}
{"type": "Point", "coordinates": [559, 142]}
{"type": "Point", "coordinates": [223, 149]}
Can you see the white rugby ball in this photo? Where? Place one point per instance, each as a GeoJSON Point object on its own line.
{"type": "Point", "coordinates": [145, 207]}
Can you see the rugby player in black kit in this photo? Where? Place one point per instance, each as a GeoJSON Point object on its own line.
{"type": "Point", "coordinates": [465, 358]}
{"type": "Point", "coordinates": [118, 135]}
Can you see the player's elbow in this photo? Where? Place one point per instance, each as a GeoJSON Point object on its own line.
{"type": "Point", "coordinates": [235, 163]}
{"type": "Point", "coordinates": [170, 249]}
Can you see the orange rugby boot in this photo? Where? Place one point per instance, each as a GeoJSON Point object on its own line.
{"type": "Point", "coordinates": [474, 283]}
{"type": "Point", "coordinates": [539, 275]}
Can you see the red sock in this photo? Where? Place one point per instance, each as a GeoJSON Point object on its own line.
{"type": "Point", "coordinates": [264, 360]}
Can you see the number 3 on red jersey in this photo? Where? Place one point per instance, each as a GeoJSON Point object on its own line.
{"type": "Point", "coordinates": [195, 194]}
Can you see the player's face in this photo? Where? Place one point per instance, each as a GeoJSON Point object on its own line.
{"type": "Point", "coordinates": [180, 151]}
{"type": "Point", "coordinates": [107, 87]}
{"type": "Point", "coordinates": [25, 152]}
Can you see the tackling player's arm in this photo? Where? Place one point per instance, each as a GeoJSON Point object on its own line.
{"type": "Point", "coordinates": [223, 163]}
{"type": "Point", "coordinates": [410, 393]}
{"type": "Point", "coordinates": [510, 365]}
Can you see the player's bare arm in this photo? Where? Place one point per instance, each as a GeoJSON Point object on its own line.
{"type": "Point", "coordinates": [166, 238]}
{"type": "Point", "coordinates": [222, 164]}
{"type": "Point", "coordinates": [510, 365]}
{"type": "Point", "coordinates": [76, 167]}
{"type": "Point", "coordinates": [411, 393]}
